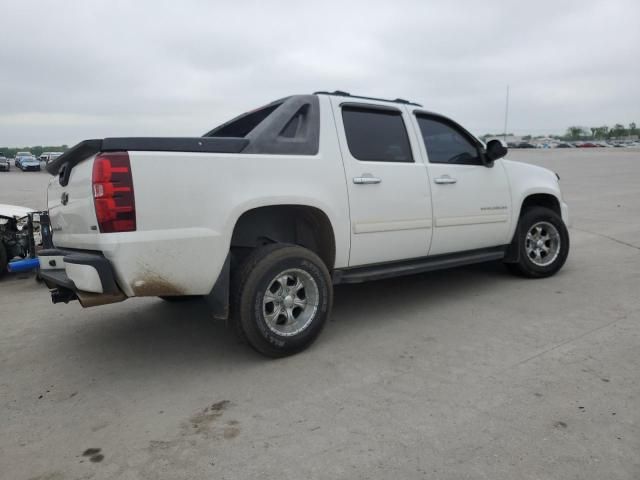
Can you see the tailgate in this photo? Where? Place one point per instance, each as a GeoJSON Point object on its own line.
{"type": "Point", "coordinates": [70, 195]}
{"type": "Point", "coordinates": [70, 205]}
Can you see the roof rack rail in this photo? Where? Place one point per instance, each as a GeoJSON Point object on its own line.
{"type": "Point", "coordinates": [341, 93]}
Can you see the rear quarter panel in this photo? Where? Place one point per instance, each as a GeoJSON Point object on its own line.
{"type": "Point", "coordinates": [187, 205]}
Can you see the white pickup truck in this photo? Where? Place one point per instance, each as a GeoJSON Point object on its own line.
{"type": "Point", "coordinates": [264, 214]}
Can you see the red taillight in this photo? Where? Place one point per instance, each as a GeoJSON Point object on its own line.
{"type": "Point", "coordinates": [113, 192]}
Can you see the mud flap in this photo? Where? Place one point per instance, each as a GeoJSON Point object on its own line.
{"type": "Point", "coordinates": [218, 297]}
{"type": "Point", "coordinates": [512, 255]}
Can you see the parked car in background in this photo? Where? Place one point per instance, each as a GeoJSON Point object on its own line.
{"type": "Point", "coordinates": [564, 145]}
{"type": "Point", "coordinates": [52, 156]}
{"type": "Point", "coordinates": [29, 163]}
{"type": "Point", "coordinates": [587, 145]}
{"type": "Point", "coordinates": [5, 164]}
{"type": "Point", "coordinates": [525, 145]}
{"type": "Point", "coordinates": [49, 156]}
{"type": "Point", "coordinates": [19, 155]}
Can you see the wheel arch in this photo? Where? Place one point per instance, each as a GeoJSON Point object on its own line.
{"type": "Point", "coordinates": [533, 199]}
{"type": "Point", "coordinates": [299, 224]}
{"type": "Point", "coordinates": [541, 199]}
{"type": "Point", "coordinates": [256, 223]}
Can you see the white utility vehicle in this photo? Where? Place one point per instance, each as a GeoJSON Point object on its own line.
{"type": "Point", "coordinates": [264, 214]}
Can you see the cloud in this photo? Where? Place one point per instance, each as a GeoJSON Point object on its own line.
{"type": "Point", "coordinates": [74, 70]}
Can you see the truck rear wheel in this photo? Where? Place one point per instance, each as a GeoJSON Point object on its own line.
{"type": "Point", "coordinates": [543, 242]}
{"type": "Point", "coordinates": [282, 297]}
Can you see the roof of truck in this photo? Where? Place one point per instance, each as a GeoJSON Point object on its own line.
{"type": "Point", "coordinates": [340, 93]}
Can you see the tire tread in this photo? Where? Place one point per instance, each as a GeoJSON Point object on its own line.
{"type": "Point", "coordinates": [243, 275]}
{"type": "Point", "coordinates": [522, 267]}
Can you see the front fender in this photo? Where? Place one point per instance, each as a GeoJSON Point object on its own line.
{"type": "Point", "coordinates": [526, 180]}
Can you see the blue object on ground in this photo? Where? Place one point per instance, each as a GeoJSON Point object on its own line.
{"type": "Point", "coordinates": [24, 265]}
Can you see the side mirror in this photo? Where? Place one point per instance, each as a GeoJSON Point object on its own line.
{"type": "Point", "coordinates": [495, 150]}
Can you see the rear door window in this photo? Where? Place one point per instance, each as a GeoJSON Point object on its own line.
{"type": "Point", "coordinates": [376, 135]}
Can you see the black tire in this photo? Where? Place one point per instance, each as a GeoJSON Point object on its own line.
{"type": "Point", "coordinates": [4, 260]}
{"type": "Point", "coordinates": [525, 266]}
{"type": "Point", "coordinates": [257, 274]}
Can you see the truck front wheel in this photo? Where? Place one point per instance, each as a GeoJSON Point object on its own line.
{"type": "Point", "coordinates": [282, 296]}
{"type": "Point", "coordinates": [543, 242]}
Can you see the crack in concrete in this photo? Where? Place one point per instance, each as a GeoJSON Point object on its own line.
{"type": "Point", "coordinates": [607, 237]}
{"type": "Point", "coordinates": [562, 344]}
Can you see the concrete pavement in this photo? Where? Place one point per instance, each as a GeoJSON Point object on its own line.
{"type": "Point", "coordinates": [468, 373]}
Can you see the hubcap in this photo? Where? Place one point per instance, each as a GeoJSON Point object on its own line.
{"type": "Point", "coordinates": [290, 302]}
{"type": "Point", "coordinates": [542, 244]}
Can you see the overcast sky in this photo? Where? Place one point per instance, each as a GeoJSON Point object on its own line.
{"type": "Point", "coordinates": [71, 70]}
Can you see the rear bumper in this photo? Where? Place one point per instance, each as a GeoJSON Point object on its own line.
{"type": "Point", "coordinates": [88, 277]}
{"type": "Point", "coordinates": [77, 271]}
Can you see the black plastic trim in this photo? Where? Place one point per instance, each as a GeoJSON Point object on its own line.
{"type": "Point", "coordinates": [74, 155]}
{"type": "Point", "coordinates": [101, 264]}
{"type": "Point", "coordinates": [53, 252]}
{"type": "Point", "coordinates": [57, 278]}
{"type": "Point", "coordinates": [64, 163]}
{"type": "Point", "coordinates": [266, 139]}
{"type": "Point", "coordinates": [273, 106]}
{"type": "Point", "coordinates": [371, 106]}
{"type": "Point", "coordinates": [175, 144]}
{"type": "Point", "coordinates": [379, 271]}
{"type": "Point", "coordinates": [218, 298]}
{"type": "Point", "coordinates": [340, 93]}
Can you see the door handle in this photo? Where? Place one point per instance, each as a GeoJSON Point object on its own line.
{"type": "Point", "coordinates": [445, 180]}
{"type": "Point", "coordinates": [366, 180]}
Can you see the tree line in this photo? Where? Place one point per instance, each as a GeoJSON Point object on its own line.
{"type": "Point", "coordinates": [618, 131]}
{"type": "Point", "coordinates": [10, 152]}
{"type": "Point", "coordinates": [576, 132]}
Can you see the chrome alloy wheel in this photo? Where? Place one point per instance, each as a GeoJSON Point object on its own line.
{"type": "Point", "coordinates": [290, 302]}
{"type": "Point", "coordinates": [542, 244]}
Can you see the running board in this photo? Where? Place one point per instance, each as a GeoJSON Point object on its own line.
{"type": "Point", "coordinates": [379, 271]}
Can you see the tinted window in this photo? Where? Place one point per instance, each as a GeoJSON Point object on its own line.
{"type": "Point", "coordinates": [445, 144]}
{"type": "Point", "coordinates": [376, 135]}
